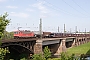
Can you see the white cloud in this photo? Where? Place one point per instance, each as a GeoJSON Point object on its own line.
{"type": "Point", "coordinates": [22, 15]}
{"type": "Point", "coordinates": [2, 0]}
{"type": "Point", "coordinates": [30, 10]}
{"type": "Point", "coordinates": [13, 7]}
{"type": "Point", "coordinates": [42, 8]}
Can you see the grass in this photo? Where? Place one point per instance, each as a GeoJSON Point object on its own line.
{"type": "Point", "coordinates": [54, 59]}
{"type": "Point", "coordinates": [82, 49]}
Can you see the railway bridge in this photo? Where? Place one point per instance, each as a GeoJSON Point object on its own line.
{"type": "Point", "coordinates": [36, 45]}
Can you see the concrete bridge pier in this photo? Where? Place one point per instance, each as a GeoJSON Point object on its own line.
{"type": "Point", "coordinates": [64, 45]}
{"type": "Point", "coordinates": [59, 50]}
{"type": "Point", "coordinates": [73, 44]}
{"type": "Point", "coordinates": [81, 41]}
{"type": "Point", "coordinates": [85, 39]}
{"type": "Point", "coordinates": [88, 39]}
{"type": "Point", "coordinates": [76, 43]}
{"type": "Point", "coordinates": [38, 47]}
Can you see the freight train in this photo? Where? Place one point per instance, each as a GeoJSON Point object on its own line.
{"type": "Point", "coordinates": [36, 34]}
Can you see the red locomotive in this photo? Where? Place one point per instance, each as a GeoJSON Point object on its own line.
{"type": "Point", "coordinates": [23, 34]}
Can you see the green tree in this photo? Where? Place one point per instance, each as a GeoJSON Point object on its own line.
{"type": "Point", "coordinates": [47, 52]}
{"type": "Point", "coordinates": [38, 57]}
{"type": "Point", "coordinates": [11, 35]}
{"type": "Point", "coordinates": [7, 35]}
{"type": "Point", "coordinates": [3, 52]}
{"type": "Point", "coordinates": [3, 23]}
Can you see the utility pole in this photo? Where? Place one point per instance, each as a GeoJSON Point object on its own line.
{"type": "Point", "coordinates": [58, 28]}
{"type": "Point", "coordinates": [79, 31]}
{"type": "Point", "coordinates": [64, 28]}
{"type": "Point", "coordinates": [70, 30]}
{"type": "Point", "coordinates": [40, 25]}
{"type": "Point", "coordinates": [85, 31]}
{"type": "Point", "coordinates": [76, 29]}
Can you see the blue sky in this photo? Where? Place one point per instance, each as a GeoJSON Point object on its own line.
{"type": "Point", "coordinates": [54, 13]}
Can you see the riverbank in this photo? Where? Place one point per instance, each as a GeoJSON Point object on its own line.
{"type": "Point", "coordinates": [82, 49]}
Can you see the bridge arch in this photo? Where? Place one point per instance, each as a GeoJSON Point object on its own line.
{"type": "Point", "coordinates": [20, 46]}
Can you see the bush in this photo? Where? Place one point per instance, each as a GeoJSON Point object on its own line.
{"type": "Point", "coordinates": [47, 52]}
{"type": "Point", "coordinates": [3, 52]}
{"type": "Point", "coordinates": [65, 57]}
{"type": "Point", "coordinates": [38, 57]}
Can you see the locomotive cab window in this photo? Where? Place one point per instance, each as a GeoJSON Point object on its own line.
{"type": "Point", "coordinates": [15, 32]}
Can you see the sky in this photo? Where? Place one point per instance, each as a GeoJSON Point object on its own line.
{"type": "Point", "coordinates": [54, 14]}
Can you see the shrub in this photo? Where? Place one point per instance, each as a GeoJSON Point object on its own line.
{"type": "Point", "coordinates": [3, 52]}
{"type": "Point", "coordinates": [65, 57]}
{"type": "Point", "coordinates": [38, 57]}
{"type": "Point", "coordinates": [47, 52]}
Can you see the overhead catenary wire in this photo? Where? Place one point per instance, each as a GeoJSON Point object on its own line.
{"type": "Point", "coordinates": [59, 9]}
{"type": "Point", "coordinates": [72, 7]}
{"type": "Point", "coordinates": [76, 9]}
{"type": "Point", "coordinates": [79, 6]}
{"type": "Point", "coordinates": [62, 10]}
{"type": "Point", "coordinates": [54, 8]}
{"type": "Point", "coordinates": [52, 5]}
